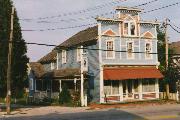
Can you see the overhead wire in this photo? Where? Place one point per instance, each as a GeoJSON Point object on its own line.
{"type": "Point", "coordinates": [94, 49]}
{"type": "Point", "coordinates": [87, 18]}
{"type": "Point", "coordinates": [77, 26]}
{"type": "Point", "coordinates": [77, 12]}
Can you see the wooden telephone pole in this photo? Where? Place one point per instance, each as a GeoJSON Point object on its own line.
{"type": "Point", "coordinates": [8, 97]}
{"type": "Point", "coordinates": [167, 62]}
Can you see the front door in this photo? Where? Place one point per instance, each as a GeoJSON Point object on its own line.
{"type": "Point", "coordinates": [127, 89]}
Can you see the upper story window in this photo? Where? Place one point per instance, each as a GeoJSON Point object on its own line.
{"type": "Point", "coordinates": [130, 50]}
{"type": "Point", "coordinates": [129, 27]}
{"type": "Point", "coordinates": [78, 54]}
{"type": "Point", "coordinates": [64, 56]}
{"type": "Point", "coordinates": [31, 84]}
{"type": "Point", "coordinates": [148, 50]}
{"type": "Point", "coordinates": [110, 53]}
{"type": "Point", "coordinates": [52, 66]}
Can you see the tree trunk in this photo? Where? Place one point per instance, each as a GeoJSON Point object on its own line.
{"type": "Point", "coordinates": [167, 91]}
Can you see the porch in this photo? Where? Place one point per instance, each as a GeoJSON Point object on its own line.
{"type": "Point", "coordinates": [130, 90]}
{"type": "Point", "coordinates": [130, 84]}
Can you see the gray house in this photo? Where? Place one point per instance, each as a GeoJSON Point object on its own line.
{"type": "Point", "coordinates": [113, 58]}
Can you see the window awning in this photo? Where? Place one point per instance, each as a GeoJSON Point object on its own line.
{"type": "Point", "coordinates": [124, 73]}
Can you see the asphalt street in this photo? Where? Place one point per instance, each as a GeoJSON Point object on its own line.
{"type": "Point", "coordinates": [153, 112]}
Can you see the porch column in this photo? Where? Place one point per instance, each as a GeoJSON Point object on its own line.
{"type": "Point", "coordinates": [133, 87]}
{"type": "Point", "coordinates": [121, 90]}
{"type": "Point", "coordinates": [101, 85]}
{"type": "Point", "coordinates": [157, 88]}
{"type": "Point", "coordinates": [60, 85]}
{"type": "Point", "coordinates": [75, 80]}
{"type": "Point", "coordinates": [140, 89]}
{"type": "Point", "coordinates": [126, 89]}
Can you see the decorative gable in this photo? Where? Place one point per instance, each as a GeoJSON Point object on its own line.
{"type": "Point", "coordinates": [147, 35]}
{"type": "Point", "coordinates": [109, 32]}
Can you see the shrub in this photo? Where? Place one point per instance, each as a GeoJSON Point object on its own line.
{"type": "Point", "coordinates": [64, 96]}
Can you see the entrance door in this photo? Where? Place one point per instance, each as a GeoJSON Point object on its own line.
{"type": "Point", "coordinates": [127, 89]}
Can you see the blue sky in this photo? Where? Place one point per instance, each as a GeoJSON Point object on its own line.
{"type": "Point", "coordinates": [35, 9]}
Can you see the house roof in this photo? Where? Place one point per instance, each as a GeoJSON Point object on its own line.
{"type": "Point", "coordinates": [84, 36]}
{"type": "Point", "coordinates": [64, 73]}
{"type": "Point", "coordinates": [176, 47]}
{"type": "Point", "coordinates": [37, 69]}
{"type": "Point", "coordinates": [128, 8]}
{"type": "Point", "coordinates": [48, 58]}
{"type": "Point", "coordinates": [108, 19]}
{"type": "Point", "coordinates": [125, 73]}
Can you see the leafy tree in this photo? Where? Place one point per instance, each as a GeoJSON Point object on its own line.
{"type": "Point", "coordinates": [170, 76]}
{"type": "Point", "coordinates": [19, 49]}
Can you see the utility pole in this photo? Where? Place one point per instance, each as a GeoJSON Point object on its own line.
{"type": "Point", "coordinates": [82, 77]}
{"type": "Point", "coordinates": [166, 51]}
{"type": "Point", "coordinates": [8, 97]}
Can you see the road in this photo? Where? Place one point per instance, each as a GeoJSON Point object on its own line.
{"type": "Point", "coordinates": [151, 112]}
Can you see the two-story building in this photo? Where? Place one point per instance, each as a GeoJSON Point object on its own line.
{"type": "Point", "coordinates": [119, 58]}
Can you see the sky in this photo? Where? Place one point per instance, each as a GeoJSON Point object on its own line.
{"type": "Point", "coordinates": [58, 14]}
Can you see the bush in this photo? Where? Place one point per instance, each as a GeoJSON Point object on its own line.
{"type": "Point", "coordinates": [64, 96]}
{"type": "Point", "coordinates": [76, 99]}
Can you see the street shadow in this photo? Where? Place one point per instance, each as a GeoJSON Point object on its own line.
{"type": "Point", "coordinates": [109, 114]}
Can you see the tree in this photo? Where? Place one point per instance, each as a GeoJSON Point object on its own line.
{"type": "Point", "coordinates": [19, 58]}
{"type": "Point", "coordinates": [170, 76]}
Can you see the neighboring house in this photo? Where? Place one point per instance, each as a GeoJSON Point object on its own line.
{"type": "Point", "coordinates": [118, 63]}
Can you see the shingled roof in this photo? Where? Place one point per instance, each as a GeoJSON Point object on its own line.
{"type": "Point", "coordinates": [37, 69]}
{"type": "Point", "coordinates": [48, 58]}
{"type": "Point", "coordinates": [81, 37]}
{"type": "Point", "coordinates": [176, 47]}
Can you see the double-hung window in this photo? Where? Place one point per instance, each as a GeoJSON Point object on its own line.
{"type": "Point", "coordinates": [130, 54]}
{"type": "Point", "coordinates": [110, 54]}
{"type": "Point", "coordinates": [148, 48]}
{"type": "Point", "coordinates": [129, 28]}
{"type": "Point", "coordinates": [31, 84]}
{"type": "Point", "coordinates": [64, 56]}
{"type": "Point", "coordinates": [78, 54]}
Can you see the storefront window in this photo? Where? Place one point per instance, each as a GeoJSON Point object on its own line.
{"type": "Point", "coordinates": [111, 87]}
{"type": "Point", "coordinates": [148, 85]}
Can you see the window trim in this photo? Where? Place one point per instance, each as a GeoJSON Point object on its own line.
{"type": "Point", "coordinates": [78, 58]}
{"type": "Point", "coordinates": [113, 57]}
{"type": "Point", "coordinates": [151, 56]}
{"type": "Point", "coordinates": [64, 56]}
{"type": "Point", "coordinates": [31, 82]}
{"type": "Point", "coordinates": [52, 65]}
{"type": "Point", "coordinates": [133, 56]}
{"type": "Point", "coordinates": [129, 30]}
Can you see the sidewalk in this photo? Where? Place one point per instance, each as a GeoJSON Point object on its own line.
{"type": "Point", "coordinates": [130, 104]}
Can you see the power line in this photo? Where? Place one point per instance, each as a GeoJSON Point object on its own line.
{"type": "Point", "coordinates": [173, 24]}
{"type": "Point", "coordinates": [91, 17]}
{"type": "Point", "coordinates": [57, 46]}
{"type": "Point", "coordinates": [62, 28]}
{"type": "Point", "coordinates": [170, 5]}
{"type": "Point", "coordinates": [51, 29]}
{"type": "Point", "coordinates": [78, 12]}
{"type": "Point", "coordinates": [174, 28]}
